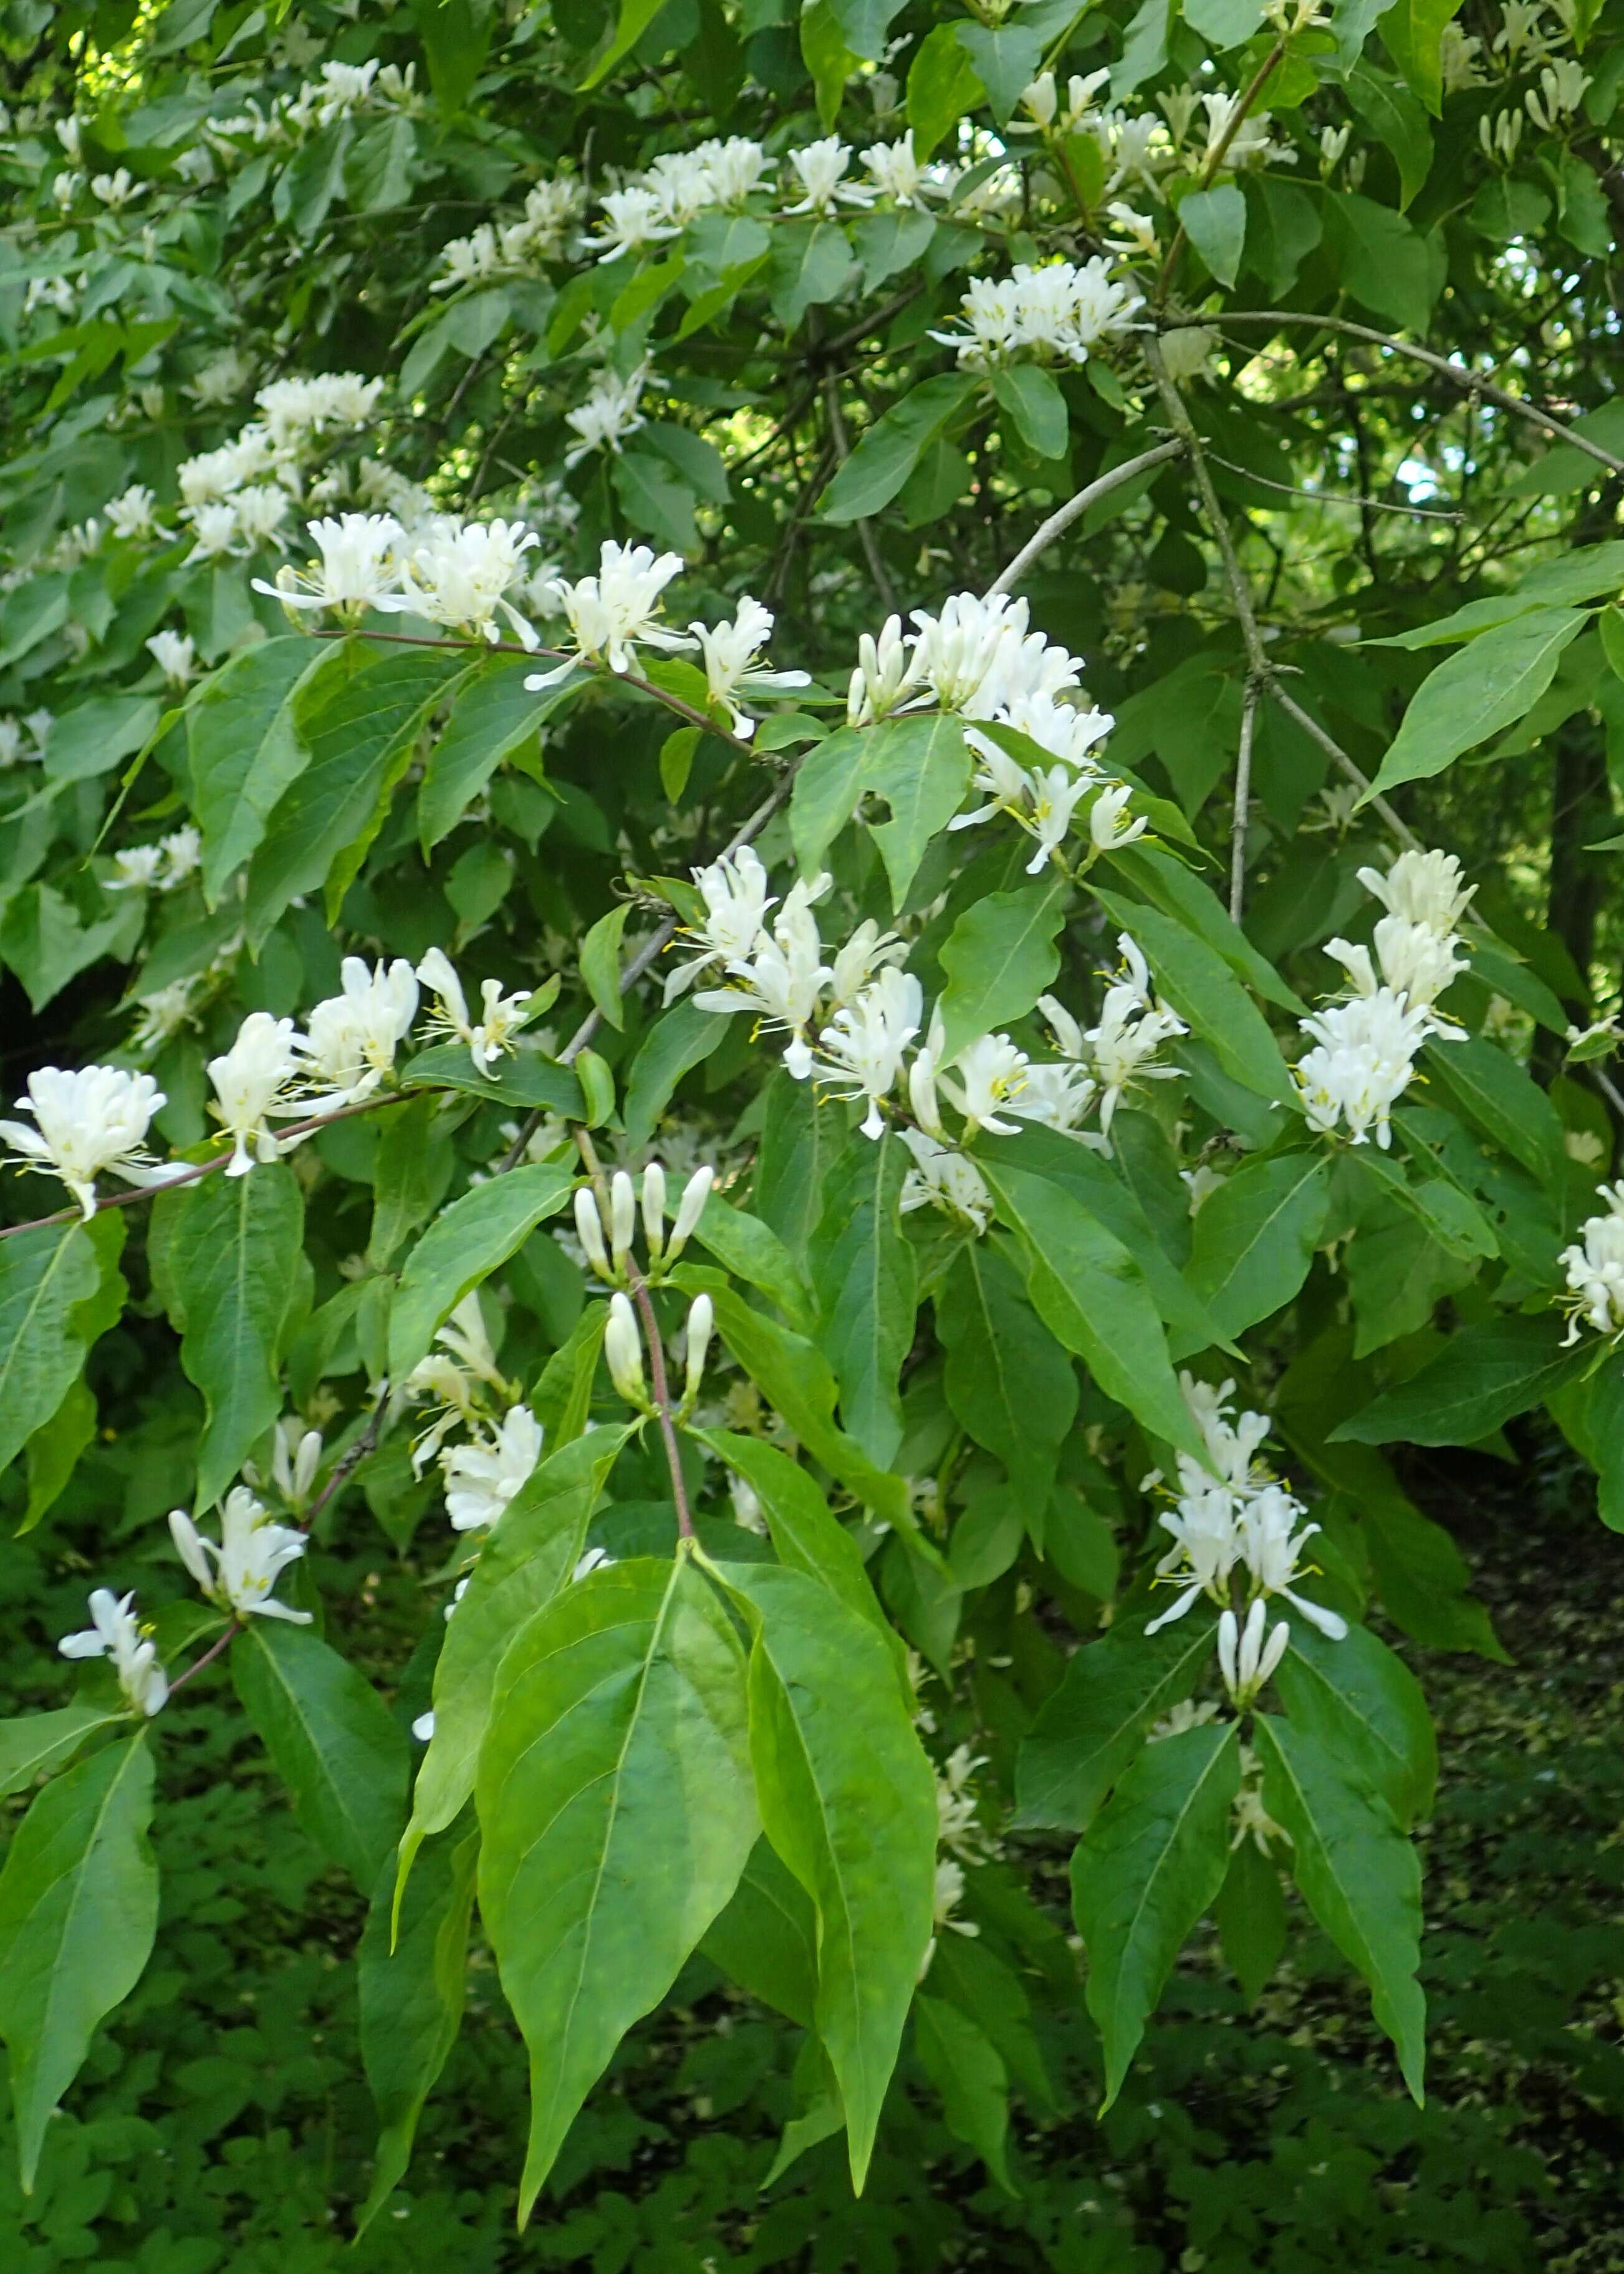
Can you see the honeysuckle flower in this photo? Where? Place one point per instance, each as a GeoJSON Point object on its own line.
{"type": "Point", "coordinates": [1107, 826]}
{"type": "Point", "coordinates": [610, 614]}
{"type": "Point", "coordinates": [260, 510]}
{"type": "Point", "coordinates": [633, 217]}
{"type": "Point", "coordinates": [819, 169]}
{"type": "Point", "coordinates": [214, 530]}
{"type": "Point", "coordinates": [459, 574]}
{"type": "Point", "coordinates": [482, 1477]}
{"type": "Point", "coordinates": [358, 568]}
{"type": "Point", "coordinates": [163, 1013]}
{"type": "Point", "coordinates": [623, 1217]}
{"type": "Point", "coordinates": [1415, 962]}
{"type": "Point", "coordinates": [114, 191]}
{"type": "Point", "coordinates": [690, 1207]}
{"type": "Point", "coordinates": [1422, 888]}
{"type": "Point", "coordinates": [1186, 353]}
{"type": "Point", "coordinates": [736, 898]}
{"type": "Point", "coordinates": [590, 1232]}
{"type": "Point", "coordinates": [240, 1571]}
{"type": "Point", "coordinates": [1594, 1265]}
{"type": "Point", "coordinates": [183, 855]}
{"type": "Point", "coordinates": [501, 1016]}
{"type": "Point", "coordinates": [1138, 232]}
{"type": "Point", "coordinates": [608, 416]}
{"type": "Point", "coordinates": [315, 404]}
{"type": "Point", "coordinates": [887, 672]}
{"type": "Point", "coordinates": [1363, 1060]}
{"type": "Point", "coordinates": [868, 951]}
{"type": "Point", "coordinates": [115, 1633]}
{"type": "Point", "coordinates": [130, 513]}
{"type": "Point", "coordinates": [296, 1456]}
{"type": "Point", "coordinates": [87, 1122]}
{"type": "Point", "coordinates": [983, 1079]}
{"type": "Point", "coordinates": [1245, 1658]}
{"type": "Point", "coordinates": [896, 172]}
{"type": "Point", "coordinates": [352, 1037]}
{"type": "Point", "coordinates": [1272, 1547]}
{"type": "Point", "coordinates": [1058, 1097]}
{"type": "Point", "coordinates": [1059, 311]}
{"type": "Point", "coordinates": [1206, 1546]}
{"type": "Point", "coordinates": [942, 1176]}
{"type": "Point", "coordinates": [623, 1352]}
{"type": "Point", "coordinates": [863, 1044]}
{"type": "Point", "coordinates": [730, 652]}
{"type": "Point", "coordinates": [136, 869]}
{"type": "Point", "coordinates": [175, 655]}
{"type": "Point", "coordinates": [783, 976]}
{"type": "Point", "coordinates": [975, 656]}
{"type": "Point", "coordinates": [698, 1332]}
{"type": "Point", "coordinates": [251, 1084]}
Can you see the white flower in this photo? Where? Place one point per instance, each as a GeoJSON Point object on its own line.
{"type": "Point", "coordinates": [1187, 351]}
{"type": "Point", "coordinates": [1595, 1268]}
{"type": "Point", "coordinates": [164, 1012]}
{"type": "Point", "coordinates": [294, 407]}
{"type": "Point", "coordinates": [1422, 888]}
{"type": "Point", "coordinates": [352, 1037]}
{"type": "Point", "coordinates": [130, 513]}
{"type": "Point", "coordinates": [115, 1633]}
{"type": "Point", "coordinates": [1361, 1062]}
{"type": "Point", "coordinates": [10, 743]}
{"type": "Point", "coordinates": [623, 1351]}
{"type": "Point", "coordinates": [251, 1081]}
{"type": "Point", "coordinates": [610, 612]}
{"type": "Point", "coordinates": [296, 1456]}
{"type": "Point", "coordinates": [1206, 1546]}
{"type": "Point", "coordinates": [136, 869]}
{"type": "Point", "coordinates": [820, 176]}
{"type": "Point", "coordinates": [1057, 311]}
{"type": "Point", "coordinates": [1245, 1658]}
{"type": "Point", "coordinates": [734, 892]}
{"type": "Point", "coordinates": [1106, 825]}
{"type": "Point", "coordinates": [501, 1016]}
{"type": "Point", "coordinates": [1415, 962]}
{"type": "Point", "coordinates": [483, 1477]}
{"type": "Point", "coordinates": [1273, 1550]}
{"type": "Point", "coordinates": [697, 1333]}
{"type": "Point", "coordinates": [1138, 232]}
{"type": "Point", "coordinates": [91, 1120]}
{"type": "Point", "coordinates": [943, 1178]}
{"type": "Point", "coordinates": [608, 416]}
{"type": "Point", "coordinates": [214, 529]}
{"type": "Point", "coordinates": [183, 855]}
{"type": "Point", "coordinates": [887, 672]}
{"type": "Point", "coordinates": [982, 1079]}
{"type": "Point", "coordinates": [458, 573]}
{"type": "Point", "coordinates": [174, 656]}
{"type": "Point", "coordinates": [1133, 1026]}
{"type": "Point", "coordinates": [115, 189]}
{"type": "Point", "coordinates": [977, 656]}
{"type": "Point", "coordinates": [260, 511]}
{"type": "Point", "coordinates": [863, 1044]}
{"type": "Point", "coordinates": [252, 1553]}
{"type": "Point", "coordinates": [633, 218]}
{"type": "Point", "coordinates": [782, 977]}
{"type": "Point", "coordinates": [357, 570]}
{"type": "Point", "coordinates": [1058, 1097]}
{"type": "Point", "coordinates": [730, 651]}
{"type": "Point", "coordinates": [896, 172]}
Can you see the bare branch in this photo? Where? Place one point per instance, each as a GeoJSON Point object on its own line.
{"type": "Point", "coordinates": [1057, 523]}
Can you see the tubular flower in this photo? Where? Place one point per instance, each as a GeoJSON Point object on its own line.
{"type": "Point", "coordinates": [240, 1571]}
{"type": "Point", "coordinates": [87, 1121]}
{"type": "Point", "coordinates": [115, 1633]}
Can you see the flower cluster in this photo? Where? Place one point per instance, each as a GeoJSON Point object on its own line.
{"type": "Point", "coordinates": [1054, 313]}
{"type": "Point", "coordinates": [161, 868]}
{"type": "Point", "coordinates": [238, 1571]}
{"type": "Point", "coordinates": [1595, 1268]}
{"type": "Point", "coordinates": [115, 1633]}
{"type": "Point", "coordinates": [1363, 1051]}
{"type": "Point", "coordinates": [541, 234]}
{"type": "Point", "coordinates": [457, 574]}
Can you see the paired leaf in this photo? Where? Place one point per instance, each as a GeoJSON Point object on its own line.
{"type": "Point", "coordinates": [866, 1286]}
{"type": "Point", "coordinates": [1088, 1731]}
{"type": "Point", "coordinates": [464, 1245]}
{"type": "Point", "coordinates": [1255, 1238]}
{"type": "Point", "coordinates": [332, 1740]}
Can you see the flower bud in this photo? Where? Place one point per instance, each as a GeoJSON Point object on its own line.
{"type": "Point", "coordinates": [1251, 1645]}
{"type": "Point", "coordinates": [654, 1209]}
{"type": "Point", "coordinates": [623, 1349]}
{"type": "Point", "coordinates": [922, 1093]}
{"type": "Point", "coordinates": [696, 1192]}
{"type": "Point", "coordinates": [590, 1232]}
{"type": "Point", "coordinates": [622, 1215]}
{"type": "Point", "coordinates": [701, 1320]}
{"type": "Point", "coordinates": [306, 1461]}
{"type": "Point", "coordinates": [1273, 1651]}
{"type": "Point", "coordinates": [1229, 1634]}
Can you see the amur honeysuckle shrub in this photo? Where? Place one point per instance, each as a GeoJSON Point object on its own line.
{"type": "Point", "coordinates": [741, 906]}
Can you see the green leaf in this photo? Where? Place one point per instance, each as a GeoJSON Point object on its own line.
{"type": "Point", "coordinates": [242, 746]}
{"type": "Point", "coordinates": [942, 87]}
{"type": "Point", "coordinates": [1203, 991]}
{"type": "Point", "coordinates": [1149, 1864]}
{"type": "Point", "coordinates": [890, 241]}
{"type": "Point", "coordinates": [1489, 686]}
{"type": "Point", "coordinates": [894, 445]}
{"type": "Point", "coordinates": [750, 1249]}
{"type": "Point", "coordinates": [1090, 1292]}
{"type": "Point", "coordinates": [1383, 259]}
{"type": "Point", "coordinates": [1088, 1731]}
{"type": "Point", "coordinates": [464, 1245]}
{"type": "Point", "coordinates": [1413, 32]}
{"type": "Point", "coordinates": [1255, 1238]}
{"type": "Point", "coordinates": [600, 963]}
{"type": "Point", "coordinates": [410, 1999]}
{"type": "Point", "coordinates": [681, 1039]}
{"type": "Point", "coordinates": [633, 21]}
{"type": "Point", "coordinates": [528, 1081]}
{"type": "Point", "coordinates": [1489, 1088]}
{"type": "Point", "coordinates": [828, 784]}
{"type": "Point", "coordinates": [1483, 1376]}
{"type": "Point", "coordinates": [1030, 397]}
{"type": "Point", "coordinates": [91, 739]}
{"type": "Point", "coordinates": [1007, 58]}
{"type": "Point", "coordinates": [616, 1811]}
{"type": "Point", "coordinates": [360, 730]}
{"type": "Point", "coordinates": [1360, 1700]}
{"type": "Point", "coordinates": [1000, 956]}
{"type": "Point", "coordinates": [414, 1164]}
{"type": "Point", "coordinates": [563, 1398]}
{"type": "Point", "coordinates": [848, 1800]}
{"type": "Point", "coordinates": [53, 1451]}
{"type": "Point", "coordinates": [1250, 1914]}
{"type": "Point", "coordinates": [38, 1743]}
{"type": "Point", "coordinates": [332, 1741]}
{"type": "Point", "coordinates": [676, 761]}
{"type": "Point", "coordinates": [225, 1255]}
{"type": "Point", "coordinates": [491, 718]}
{"type": "Point", "coordinates": [1393, 114]}
{"type": "Point", "coordinates": [1006, 1381]}
{"type": "Point", "coordinates": [920, 767]}
{"type": "Point", "coordinates": [965, 2067]}
{"type": "Point", "coordinates": [78, 1910]}
{"type": "Point", "coordinates": [521, 1568]}
{"type": "Point", "coordinates": [1214, 221]}
{"type": "Point", "coordinates": [867, 1287]}
{"type": "Point", "coordinates": [657, 500]}
{"type": "Point", "coordinates": [1358, 1874]}
{"type": "Point", "coordinates": [45, 1275]}
{"type": "Point", "coordinates": [810, 265]}
{"type": "Point", "coordinates": [765, 1940]}
{"type": "Point", "coordinates": [456, 35]}
{"type": "Point", "coordinates": [803, 1529]}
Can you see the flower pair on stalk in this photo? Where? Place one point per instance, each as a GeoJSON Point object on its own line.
{"type": "Point", "coordinates": [609, 1250]}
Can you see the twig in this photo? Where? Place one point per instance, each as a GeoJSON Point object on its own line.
{"type": "Point", "coordinates": [208, 1659]}
{"type": "Point", "coordinates": [1219, 152]}
{"type": "Point", "coordinates": [1057, 523]}
{"type": "Point", "coordinates": [1243, 799]}
{"type": "Point", "coordinates": [883, 584]}
{"type": "Point", "coordinates": [1333, 497]}
{"type": "Point", "coordinates": [1257, 654]}
{"type": "Point", "coordinates": [350, 1459]}
{"type": "Point", "coordinates": [1470, 382]}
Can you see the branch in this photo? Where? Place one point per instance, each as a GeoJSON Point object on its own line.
{"type": "Point", "coordinates": [1057, 523]}
{"type": "Point", "coordinates": [1260, 667]}
{"type": "Point", "coordinates": [1470, 382]}
{"type": "Point", "coordinates": [1219, 152]}
{"type": "Point", "coordinates": [1243, 799]}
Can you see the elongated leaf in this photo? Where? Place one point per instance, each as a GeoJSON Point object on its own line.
{"type": "Point", "coordinates": [889, 452]}
{"type": "Point", "coordinates": [224, 1253]}
{"type": "Point", "coordinates": [1005, 1380]}
{"type": "Point", "coordinates": [765, 1938]}
{"type": "Point", "coordinates": [1255, 1238]}
{"type": "Point", "coordinates": [463, 1246]}
{"type": "Point", "coordinates": [1358, 1874]}
{"type": "Point", "coordinates": [1214, 221]}
{"type": "Point", "coordinates": [521, 1567]}
{"type": "Point", "coordinates": [1484, 1375]}
{"type": "Point", "coordinates": [1489, 685]}
{"type": "Point", "coordinates": [410, 1999]}
{"type": "Point", "coordinates": [680, 1040]}
{"type": "Point", "coordinates": [999, 957]}
{"type": "Point", "coordinates": [1086, 1732]}
{"type": "Point", "coordinates": [921, 769]}
{"type": "Point", "coordinates": [965, 2067]}
{"type": "Point", "coordinates": [78, 1909]}
{"type": "Point", "coordinates": [1491, 1090]}
{"type": "Point", "coordinates": [866, 1283]}
{"type": "Point", "coordinates": [1250, 1914]}
{"type": "Point", "coordinates": [491, 718]}
{"type": "Point", "coordinates": [45, 1274]}
{"type": "Point", "coordinates": [526, 1081]}
{"type": "Point", "coordinates": [1205, 992]}
{"type": "Point", "coordinates": [750, 1249]}
{"type": "Point", "coordinates": [332, 1740]}
{"type": "Point", "coordinates": [243, 749]}
{"type": "Point", "coordinates": [1149, 1864]}
{"type": "Point", "coordinates": [1090, 1292]}
{"type": "Point", "coordinates": [37, 1744]}
{"type": "Point", "coordinates": [848, 1800]}
{"type": "Point", "coordinates": [1361, 1700]}
{"type": "Point", "coordinates": [617, 1814]}
{"type": "Point", "coordinates": [803, 1529]}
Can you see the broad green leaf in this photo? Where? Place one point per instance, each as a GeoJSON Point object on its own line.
{"type": "Point", "coordinates": [866, 1283]}
{"type": "Point", "coordinates": [1358, 1874]}
{"type": "Point", "coordinates": [1255, 1238]}
{"type": "Point", "coordinates": [1090, 1292]}
{"type": "Point", "coordinates": [1030, 396]}
{"type": "Point", "coordinates": [52, 1453]}
{"type": "Point", "coordinates": [1007, 57]}
{"type": "Point", "coordinates": [525, 1081]}
{"type": "Point", "coordinates": [464, 1245]}
{"type": "Point", "coordinates": [78, 1909]}
{"type": "Point", "coordinates": [803, 1528]}
{"type": "Point", "coordinates": [810, 265]}
{"type": "Point", "coordinates": [563, 1396]}
{"type": "Point", "coordinates": [243, 747]}
{"type": "Point", "coordinates": [633, 19]}
{"type": "Point", "coordinates": [332, 1741]}
{"type": "Point", "coordinates": [491, 718]}
{"type": "Point", "coordinates": [1414, 31]}
{"type": "Point", "coordinates": [848, 1800]}
{"type": "Point", "coordinates": [224, 1254]}
{"type": "Point", "coordinates": [91, 739]}
{"type": "Point", "coordinates": [410, 1998]}
{"type": "Point", "coordinates": [414, 1163]}
{"type": "Point", "coordinates": [968, 2071]}
{"type": "Point", "coordinates": [750, 1249]}
{"type": "Point", "coordinates": [1361, 1700]}
{"type": "Point", "coordinates": [1006, 1380]}
{"type": "Point", "coordinates": [798, 1139]}
{"type": "Point", "coordinates": [1223, 23]}
{"type": "Point", "coordinates": [1000, 956]}
{"type": "Point", "coordinates": [891, 241]}
{"type": "Point", "coordinates": [1086, 1732]}
{"type": "Point", "coordinates": [1203, 989]}
{"type": "Point", "coordinates": [45, 1275]}
{"type": "Point", "coordinates": [765, 1940]}
{"type": "Point", "coordinates": [1250, 1914]}
{"type": "Point", "coordinates": [1393, 115]}
{"type": "Point", "coordinates": [616, 1813]}
{"type": "Point", "coordinates": [1383, 259]}
{"type": "Point", "coordinates": [600, 963]}
{"type": "Point", "coordinates": [942, 87]}
{"type": "Point", "coordinates": [828, 784]}
{"type": "Point", "coordinates": [37, 1744]}
{"type": "Point", "coordinates": [920, 767]}
{"type": "Point", "coordinates": [1484, 1375]}
{"type": "Point", "coordinates": [1149, 1864]}
{"type": "Point", "coordinates": [1487, 1086]}
{"type": "Point", "coordinates": [891, 450]}
{"type": "Point", "coordinates": [455, 37]}
{"type": "Point", "coordinates": [681, 1039]}
{"type": "Point", "coordinates": [1214, 221]}
{"type": "Point", "coordinates": [1489, 685]}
